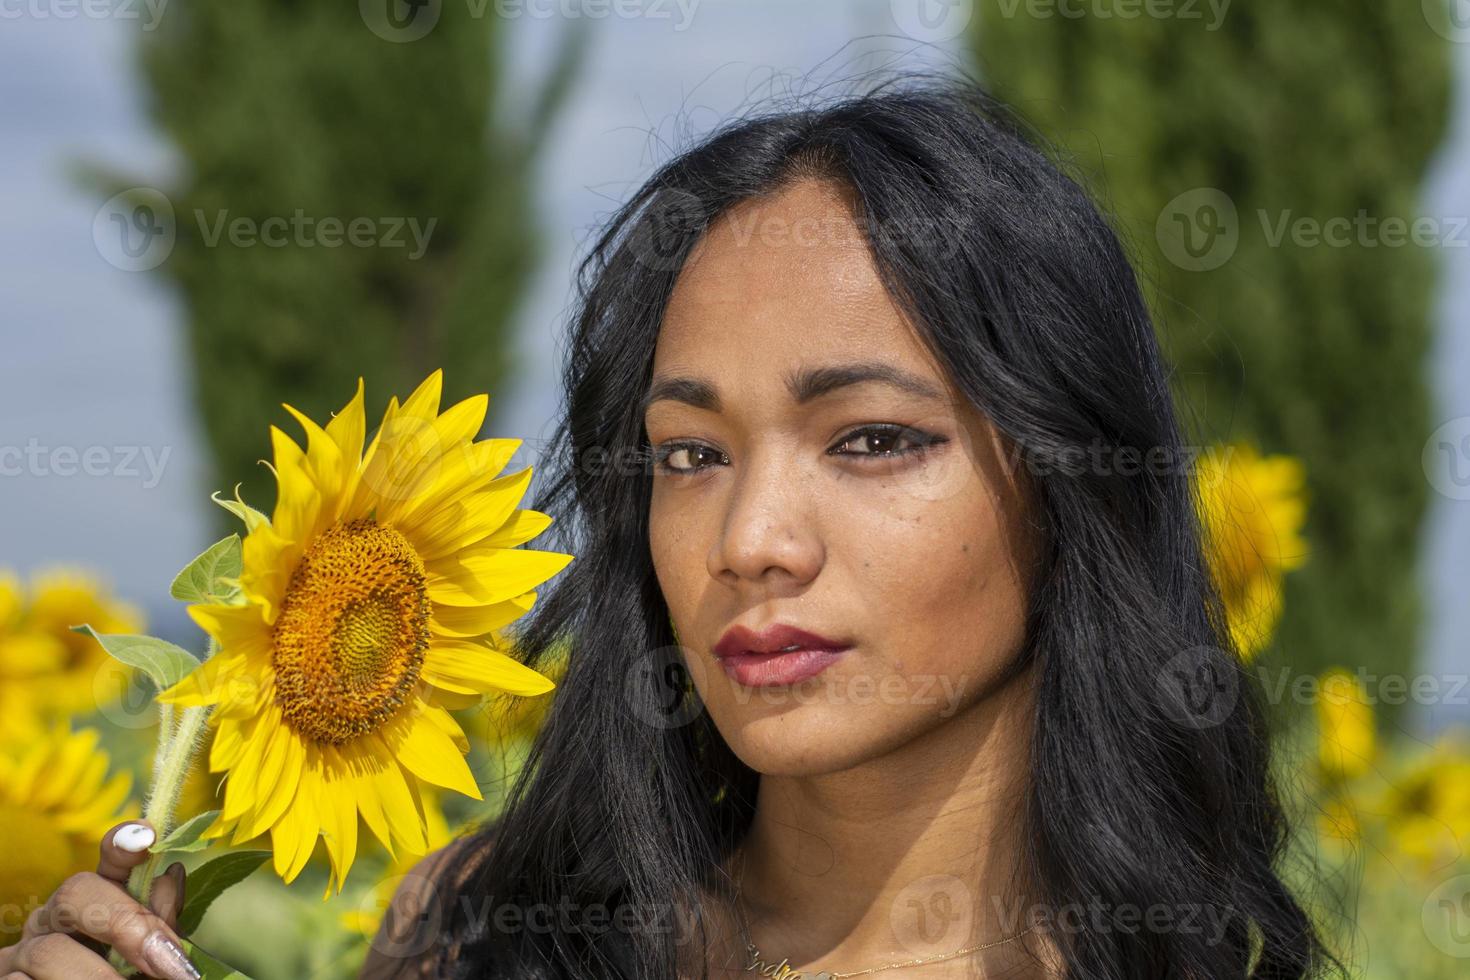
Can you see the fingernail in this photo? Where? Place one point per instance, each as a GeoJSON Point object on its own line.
{"type": "Point", "coordinates": [134, 837]}
{"type": "Point", "coordinates": [167, 959]}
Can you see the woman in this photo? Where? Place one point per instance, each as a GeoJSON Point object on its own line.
{"type": "Point", "coordinates": [891, 644]}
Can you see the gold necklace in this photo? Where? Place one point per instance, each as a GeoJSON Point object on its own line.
{"type": "Point", "coordinates": [783, 971]}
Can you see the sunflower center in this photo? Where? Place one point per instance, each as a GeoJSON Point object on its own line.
{"type": "Point", "coordinates": [350, 638]}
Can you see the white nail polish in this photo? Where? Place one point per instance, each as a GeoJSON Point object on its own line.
{"type": "Point", "coordinates": [134, 837]}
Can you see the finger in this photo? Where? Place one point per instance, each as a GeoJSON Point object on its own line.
{"type": "Point", "coordinates": [88, 904]}
{"type": "Point", "coordinates": [123, 848]}
{"type": "Point", "coordinates": [56, 957]}
{"type": "Point", "coordinates": [167, 897]}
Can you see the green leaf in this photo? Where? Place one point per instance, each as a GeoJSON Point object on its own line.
{"type": "Point", "coordinates": [208, 964]}
{"type": "Point", "coordinates": [208, 881]}
{"type": "Point", "coordinates": [213, 577]}
{"type": "Point", "coordinates": [185, 837]}
{"type": "Point", "coordinates": [163, 662]}
{"type": "Point", "coordinates": [252, 517]}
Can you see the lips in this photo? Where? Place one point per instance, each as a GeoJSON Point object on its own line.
{"type": "Point", "coordinates": [775, 656]}
{"type": "Point", "coordinates": [777, 638]}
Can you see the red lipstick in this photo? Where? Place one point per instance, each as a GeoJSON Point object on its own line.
{"type": "Point", "coordinates": [775, 656]}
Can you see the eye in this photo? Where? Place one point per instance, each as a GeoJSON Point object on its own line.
{"type": "Point", "coordinates": [692, 457]}
{"type": "Point", "coordinates": [883, 436]}
{"type": "Point", "coordinates": [689, 453]}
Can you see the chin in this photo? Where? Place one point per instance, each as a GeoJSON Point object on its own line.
{"type": "Point", "coordinates": [813, 739]}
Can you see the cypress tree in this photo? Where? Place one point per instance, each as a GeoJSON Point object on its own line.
{"type": "Point", "coordinates": [1212, 137]}
{"type": "Point", "coordinates": [353, 198]}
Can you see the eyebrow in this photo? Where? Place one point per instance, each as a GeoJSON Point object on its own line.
{"type": "Point", "coordinates": [804, 384]}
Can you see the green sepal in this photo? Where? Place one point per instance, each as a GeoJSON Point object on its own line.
{"type": "Point", "coordinates": [164, 663]}
{"type": "Point", "coordinates": [252, 517]}
{"type": "Point", "coordinates": [213, 577]}
{"type": "Point", "coordinates": [185, 837]}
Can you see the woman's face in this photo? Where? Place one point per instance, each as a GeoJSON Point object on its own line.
{"type": "Point", "coordinates": [815, 512]}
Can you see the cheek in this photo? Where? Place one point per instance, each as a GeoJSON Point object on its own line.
{"type": "Point", "coordinates": [943, 590]}
{"type": "Point", "coordinates": [680, 568]}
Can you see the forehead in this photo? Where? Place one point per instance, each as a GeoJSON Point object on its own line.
{"type": "Point", "coordinates": [782, 279]}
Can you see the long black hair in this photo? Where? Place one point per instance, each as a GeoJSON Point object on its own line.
{"type": "Point", "coordinates": [1150, 784]}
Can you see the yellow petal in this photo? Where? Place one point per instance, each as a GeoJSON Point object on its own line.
{"type": "Point", "coordinates": [239, 630]}
{"type": "Point", "coordinates": [403, 815]}
{"type": "Point", "coordinates": [338, 817]}
{"type": "Point", "coordinates": [424, 402]}
{"type": "Point", "coordinates": [297, 497]}
{"type": "Point", "coordinates": [324, 463]}
{"type": "Point", "coordinates": [467, 521]}
{"type": "Point", "coordinates": [349, 426]}
{"type": "Point", "coordinates": [522, 527]}
{"type": "Point", "coordinates": [472, 578]}
{"type": "Point", "coordinates": [425, 750]}
{"type": "Point", "coordinates": [228, 743]}
{"type": "Point", "coordinates": [221, 678]}
{"type": "Point", "coordinates": [369, 804]}
{"type": "Point", "coordinates": [460, 471]}
{"type": "Point", "coordinates": [282, 791]}
{"type": "Point", "coordinates": [471, 667]}
{"type": "Point", "coordinates": [470, 621]}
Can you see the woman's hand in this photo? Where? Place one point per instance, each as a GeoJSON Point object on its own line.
{"type": "Point", "coordinates": [68, 937]}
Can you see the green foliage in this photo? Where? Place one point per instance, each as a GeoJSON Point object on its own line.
{"type": "Point", "coordinates": [1293, 110]}
{"type": "Point", "coordinates": [295, 121]}
{"type": "Point", "coordinates": [210, 880]}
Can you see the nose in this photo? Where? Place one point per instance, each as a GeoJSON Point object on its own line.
{"type": "Point", "coordinates": [771, 534]}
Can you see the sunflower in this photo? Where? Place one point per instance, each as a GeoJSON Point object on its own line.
{"type": "Point", "coordinates": [509, 720]}
{"type": "Point", "coordinates": [371, 602]}
{"type": "Point", "coordinates": [1345, 733]}
{"type": "Point", "coordinates": [56, 803]}
{"type": "Point", "coordinates": [46, 670]}
{"type": "Point", "coordinates": [1252, 508]}
{"type": "Point", "coordinates": [1427, 806]}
